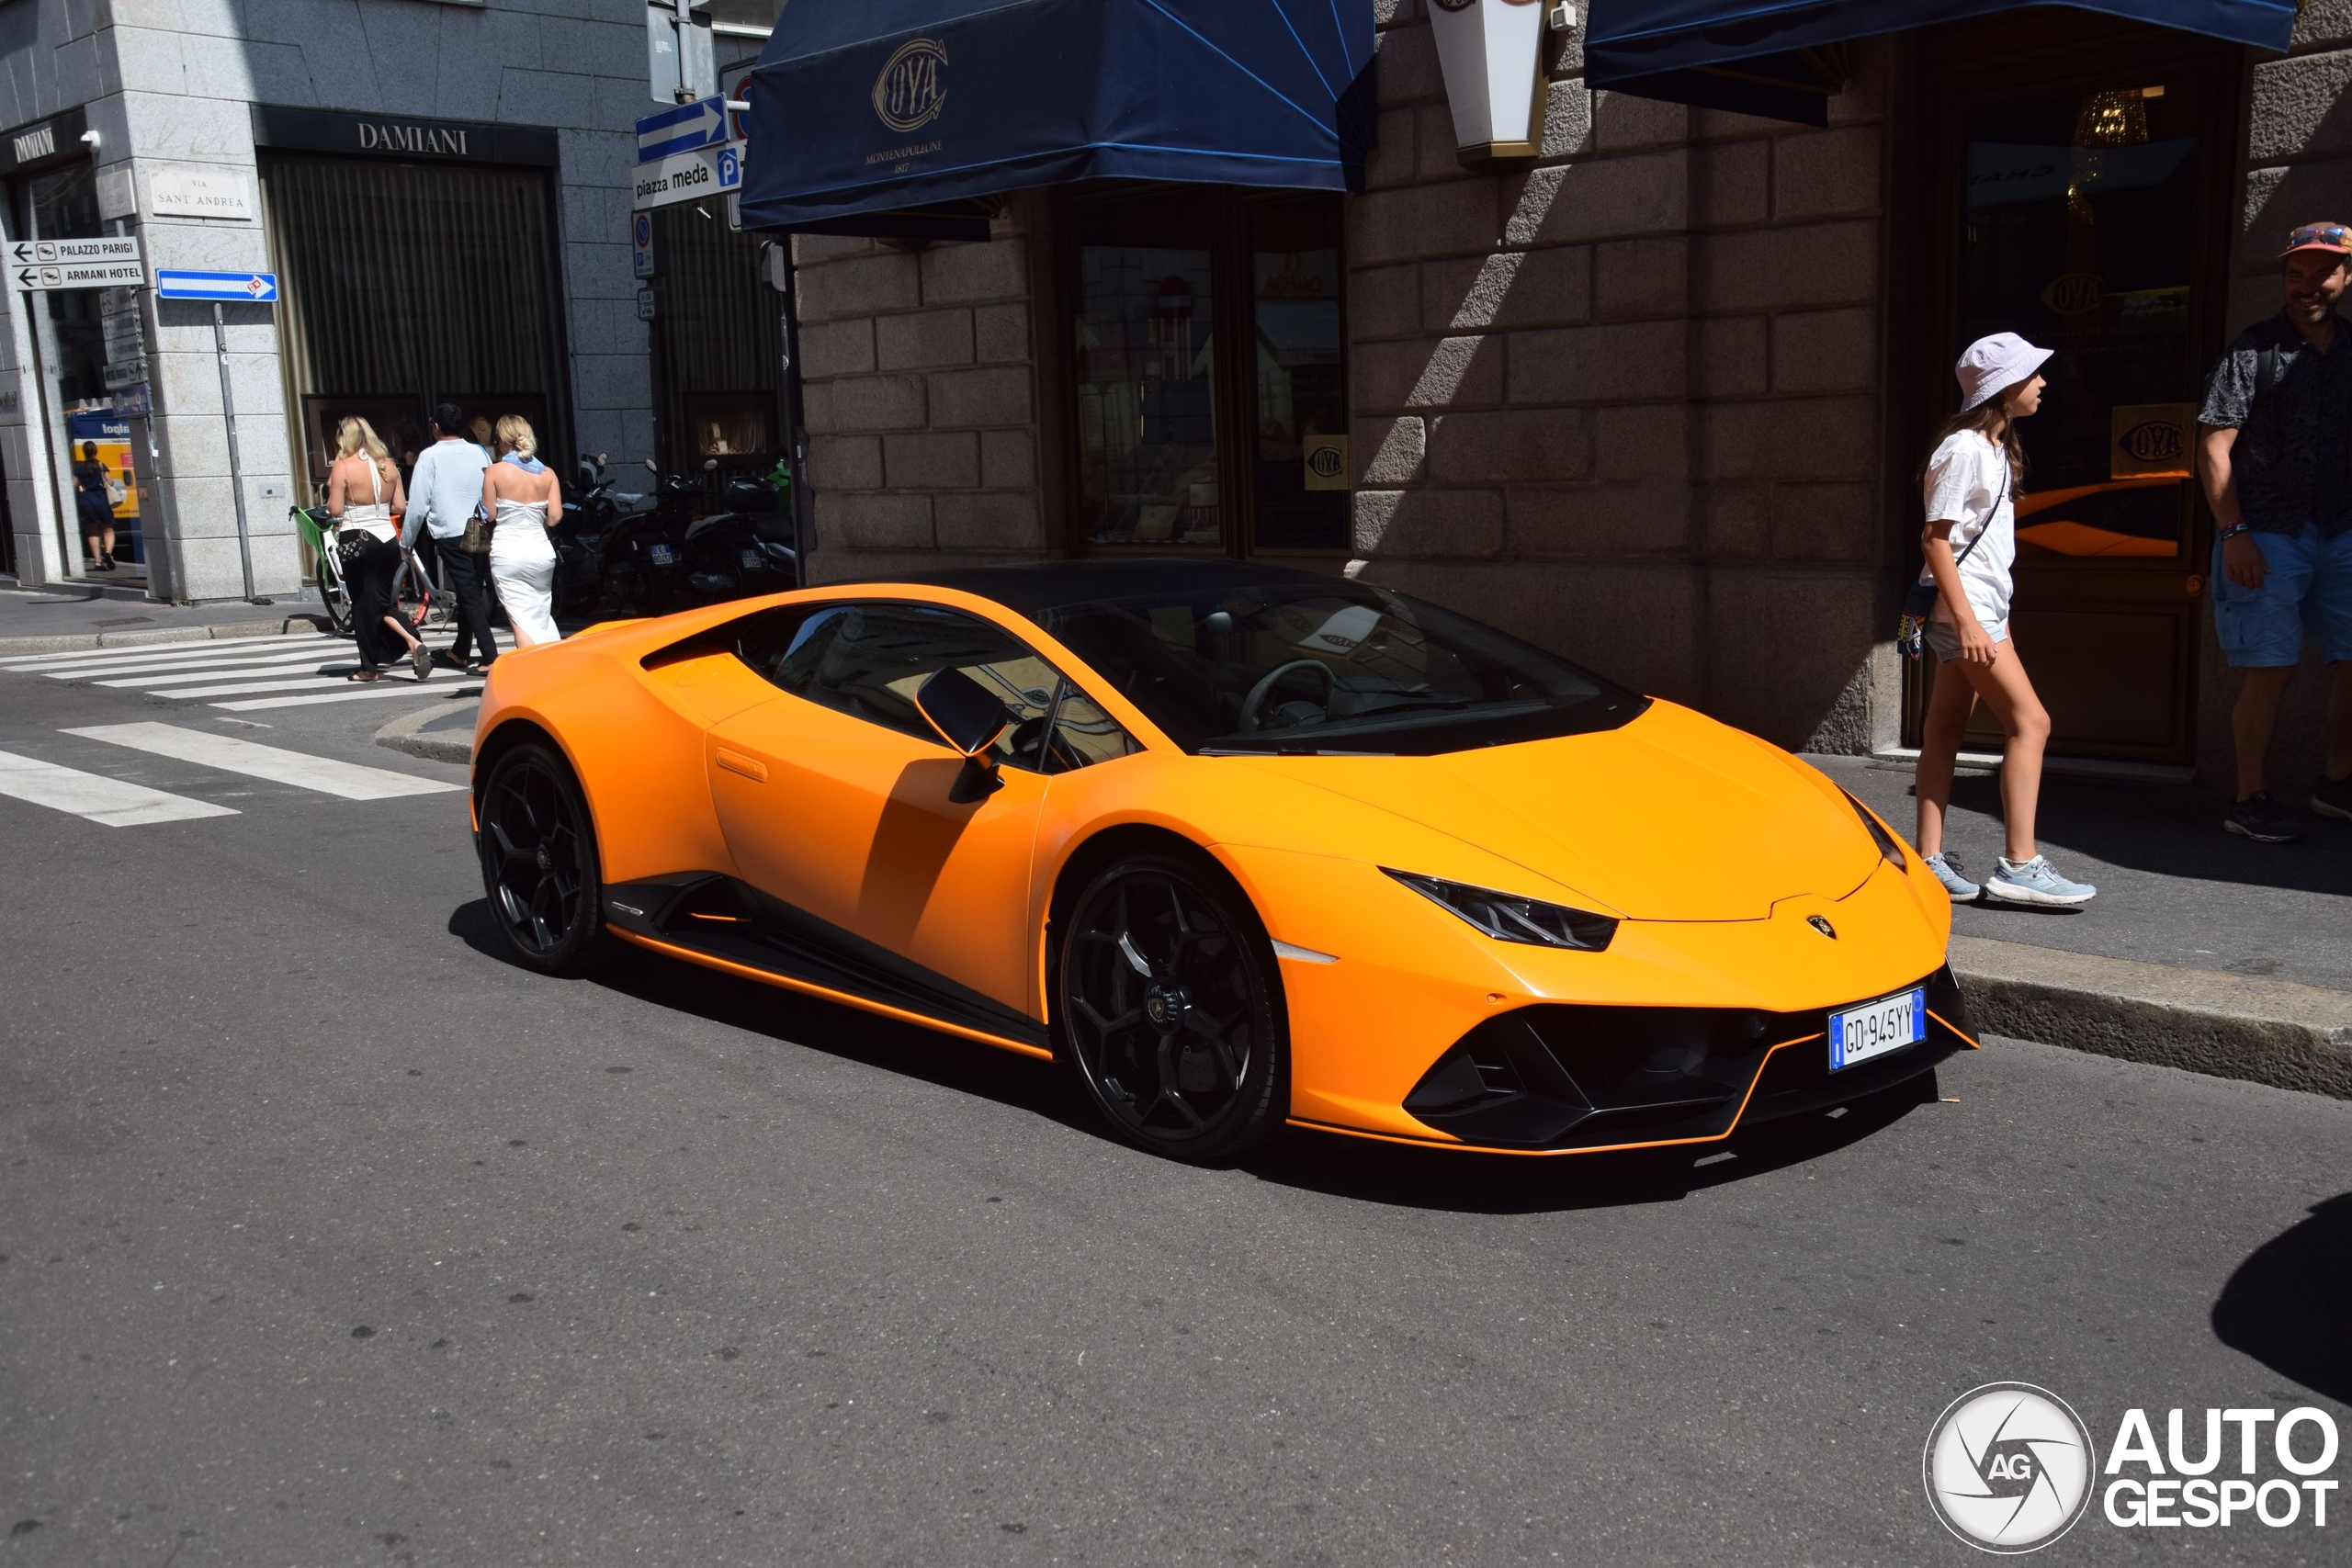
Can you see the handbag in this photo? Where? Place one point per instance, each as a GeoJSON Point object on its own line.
{"type": "Point", "coordinates": [1919, 602]}
{"type": "Point", "coordinates": [477, 539]}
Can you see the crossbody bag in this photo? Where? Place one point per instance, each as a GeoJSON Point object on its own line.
{"type": "Point", "coordinates": [1919, 603]}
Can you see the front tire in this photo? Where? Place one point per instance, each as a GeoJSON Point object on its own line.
{"type": "Point", "coordinates": [538, 860]}
{"type": "Point", "coordinates": [1170, 1009]}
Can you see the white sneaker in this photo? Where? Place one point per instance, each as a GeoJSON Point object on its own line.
{"type": "Point", "coordinates": [1948, 871]}
{"type": "Point", "coordinates": [2035, 882]}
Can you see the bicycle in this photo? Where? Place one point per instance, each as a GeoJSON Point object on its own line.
{"type": "Point", "coordinates": [416, 597]}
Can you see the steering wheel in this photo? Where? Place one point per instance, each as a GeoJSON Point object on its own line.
{"type": "Point", "coordinates": [1266, 683]}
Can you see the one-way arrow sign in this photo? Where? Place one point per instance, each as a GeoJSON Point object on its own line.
{"type": "Point", "coordinates": [702, 123]}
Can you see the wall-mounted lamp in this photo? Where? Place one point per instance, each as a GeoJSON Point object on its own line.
{"type": "Point", "coordinates": [1491, 54]}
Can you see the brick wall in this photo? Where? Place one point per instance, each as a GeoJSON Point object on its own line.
{"type": "Point", "coordinates": [1627, 402]}
{"type": "Point", "coordinates": [921, 401]}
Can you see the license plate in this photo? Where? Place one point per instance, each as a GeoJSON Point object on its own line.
{"type": "Point", "coordinates": [660, 555]}
{"type": "Point", "coordinates": [1873, 1028]}
{"type": "Point", "coordinates": [750, 559]}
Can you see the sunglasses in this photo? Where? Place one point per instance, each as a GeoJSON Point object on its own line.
{"type": "Point", "coordinates": [2319, 234]}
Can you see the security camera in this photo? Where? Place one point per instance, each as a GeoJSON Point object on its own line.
{"type": "Point", "coordinates": [89, 138]}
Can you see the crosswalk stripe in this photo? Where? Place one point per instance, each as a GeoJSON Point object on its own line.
{"type": "Point", "coordinates": [226, 752]}
{"type": "Point", "coordinates": [310, 648]}
{"type": "Point", "coordinates": [109, 802]}
{"type": "Point", "coordinates": [247, 688]}
{"type": "Point", "coordinates": [358, 693]}
{"type": "Point", "coordinates": [159, 650]}
{"type": "Point", "coordinates": [314, 664]}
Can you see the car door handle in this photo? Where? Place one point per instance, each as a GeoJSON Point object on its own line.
{"type": "Point", "coordinates": [736, 763]}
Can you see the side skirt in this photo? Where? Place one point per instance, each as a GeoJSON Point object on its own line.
{"type": "Point", "coordinates": [727, 925]}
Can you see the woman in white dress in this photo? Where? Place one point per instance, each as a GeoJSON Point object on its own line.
{"type": "Point", "coordinates": [363, 491]}
{"type": "Point", "coordinates": [521, 494]}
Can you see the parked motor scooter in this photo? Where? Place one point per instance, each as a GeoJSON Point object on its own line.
{"type": "Point", "coordinates": [626, 554]}
{"type": "Point", "coordinates": [747, 548]}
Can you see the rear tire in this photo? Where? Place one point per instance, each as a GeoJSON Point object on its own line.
{"type": "Point", "coordinates": [1170, 1009]}
{"type": "Point", "coordinates": [540, 865]}
{"type": "Point", "coordinates": [335, 601]}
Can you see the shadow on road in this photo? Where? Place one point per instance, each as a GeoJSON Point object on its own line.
{"type": "Point", "coordinates": [1341, 1166]}
{"type": "Point", "coordinates": [2289, 1304]}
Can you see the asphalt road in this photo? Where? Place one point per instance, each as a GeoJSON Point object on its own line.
{"type": "Point", "coordinates": [332, 1239]}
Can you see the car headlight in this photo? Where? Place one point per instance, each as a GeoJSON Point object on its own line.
{"type": "Point", "coordinates": [1889, 847]}
{"type": "Point", "coordinates": [1506, 917]}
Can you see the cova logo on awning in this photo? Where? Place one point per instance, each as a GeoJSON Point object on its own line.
{"type": "Point", "coordinates": [913, 87]}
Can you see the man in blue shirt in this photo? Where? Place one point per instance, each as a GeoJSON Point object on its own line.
{"type": "Point", "coordinates": [443, 493]}
{"type": "Point", "coordinates": [2272, 451]}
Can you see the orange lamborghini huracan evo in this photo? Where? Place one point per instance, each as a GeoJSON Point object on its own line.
{"type": "Point", "coordinates": [1241, 846]}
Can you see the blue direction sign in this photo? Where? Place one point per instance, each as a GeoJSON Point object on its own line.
{"type": "Point", "coordinates": [251, 287]}
{"type": "Point", "coordinates": [702, 123]}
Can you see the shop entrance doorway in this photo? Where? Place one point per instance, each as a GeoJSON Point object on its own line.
{"type": "Point", "coordinates": [2082, 202]}
{"type": "Point", "coordinates": [406, 284]}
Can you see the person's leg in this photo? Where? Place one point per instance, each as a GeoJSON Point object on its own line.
{"type": "Point", "coordinates": [108, 552]}
{"type": "Point", "coordinates": [469, 577]}
{"type": "Point", "coordinates": [2327, 616]}
{"type": "Point", "coordinates": [2010, 693]}
{"type": "Point", "coordinates": [1948, 707]}
{"type": "Point", "coordinates": [368, 594]}
{"type": "Point", "coordinates": [2261, 632]}
{"type": "Point", "coordinates": [2253, 717]}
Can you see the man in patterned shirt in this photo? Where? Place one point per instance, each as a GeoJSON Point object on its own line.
{"type": "Point", "coordinates": [2275, 454]}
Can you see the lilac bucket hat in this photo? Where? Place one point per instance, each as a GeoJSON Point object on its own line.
{"type": "Point", "coordinates": [1990, 364]}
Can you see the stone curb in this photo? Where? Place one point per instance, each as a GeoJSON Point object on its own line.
{"type": "Point", "coordinates": [406, 734]}
{"type": "Point", "coordinates": [66, 642]}
{"type": "Point", "coordinates": [2228, 1026]}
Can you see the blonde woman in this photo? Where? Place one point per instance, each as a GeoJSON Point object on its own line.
{"type": "Point", "coordinates": [363, 491]}
{"type": "Point", "coordinates": [521, 493]}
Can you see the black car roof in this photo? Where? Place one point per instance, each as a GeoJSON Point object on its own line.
{"type": "Point", "coordinates": [1049, 585]}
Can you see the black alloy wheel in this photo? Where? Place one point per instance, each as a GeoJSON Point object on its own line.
{"type": "Point", "coordinates": [538, 860]}
{"type": "Point", "coordinates": [1170, 1009]}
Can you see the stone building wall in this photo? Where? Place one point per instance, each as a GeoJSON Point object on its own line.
{"type": "Point", "coordinates": [1628, 402]}
{"type": "Point", "coordinates": [921, 394]}
{"type": "Point", "coordinates": [2297, 168]}
{"type": "Point", "coordinates": [168, 83]}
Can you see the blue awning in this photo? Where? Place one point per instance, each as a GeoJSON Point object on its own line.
{"type": "Point", "coordinates": [865, 107]}
{"type": "Point", "coordinates": [1777, 57]}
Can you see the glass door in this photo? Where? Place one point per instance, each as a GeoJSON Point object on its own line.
{"type": "Point", "coordinates": [2081, 211]}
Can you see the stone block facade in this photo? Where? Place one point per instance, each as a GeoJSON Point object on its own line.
{"type": "Point", "coordinates": [1639, 383]}
{"type": "Point", "coordinates": [920, 389]}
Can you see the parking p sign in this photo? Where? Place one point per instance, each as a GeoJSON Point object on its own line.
{"type": "Point", "coordinates": [641, 238]}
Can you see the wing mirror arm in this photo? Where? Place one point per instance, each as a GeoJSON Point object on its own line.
{"type": "Point", "coordinates": [969, 719]}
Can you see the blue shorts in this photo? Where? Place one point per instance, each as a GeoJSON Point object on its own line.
{"type": "Point", "coordinates": [2307, 590]}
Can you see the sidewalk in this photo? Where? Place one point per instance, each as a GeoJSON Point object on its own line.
{"type": "Point", "coordinates": [50, 621]}
{"type": "Point", "coordinates": [2203, 950]}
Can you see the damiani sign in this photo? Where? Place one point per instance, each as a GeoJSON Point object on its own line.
{"type": "Point", "coordinates": [446, 140]}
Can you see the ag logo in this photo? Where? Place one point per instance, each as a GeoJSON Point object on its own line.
{"type": "Point", "coordinates": [2009, 1468]}
{"type": "Point", "coordinates": [913, 87]}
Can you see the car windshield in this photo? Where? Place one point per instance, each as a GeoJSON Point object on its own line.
{"type": "Point", "coordinates": [1330, 669]}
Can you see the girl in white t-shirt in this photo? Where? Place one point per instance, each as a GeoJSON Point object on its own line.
{"type": "Point", "coordinates": [1970, 487]}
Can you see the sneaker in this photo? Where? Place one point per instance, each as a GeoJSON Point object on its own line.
{"type": "Point", "coordinates": [1948, 871]}
{"type": "Point", "coordinates": [2260, 817]}
{"type": "Point", "coordinates": [2332, 797]}
{"type": "Point", "coordinates": [2035, 882]}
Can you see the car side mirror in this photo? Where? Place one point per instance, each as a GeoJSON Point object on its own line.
{"type": "Point", "coordinates": [969, 719]}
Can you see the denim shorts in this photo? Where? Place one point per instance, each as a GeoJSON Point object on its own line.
{"type": "Point", "coordinates": [2308, 590]}
{"type": "Point", "coordinates": [1944, 637]}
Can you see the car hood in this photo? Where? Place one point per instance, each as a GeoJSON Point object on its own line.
{"type": "Point", "coordinates": [1672, 817]}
